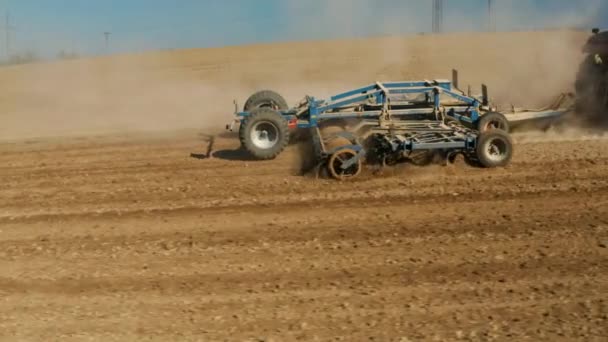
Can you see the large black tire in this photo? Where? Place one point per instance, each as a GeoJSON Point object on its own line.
{"type": "Point", "coordinates": [491, 121]}
{"type": "Point", "coordinates": [494, 149]}
{"type": "Point", "coordinates": [587, 75]}
{"type": "Point", "coordinates": [592, 91]}
{"type": "Point", "coordinates": [242, 133]}
{"type": "Point", "coordinates": [265, 99]}
{"type": "Point", "coordinates": [265, 133]}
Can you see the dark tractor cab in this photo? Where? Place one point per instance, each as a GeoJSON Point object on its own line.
{"type": "Point", "coordinates": [597, 43]}
{"type": "Point", "coordinates": [592, 79]}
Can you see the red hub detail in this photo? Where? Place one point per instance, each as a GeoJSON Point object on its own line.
{"type": "Point", "coordinates": [293, 124]}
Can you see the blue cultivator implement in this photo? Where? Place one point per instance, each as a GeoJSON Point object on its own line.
{"type": "Point", "coordinates": [384, 123]}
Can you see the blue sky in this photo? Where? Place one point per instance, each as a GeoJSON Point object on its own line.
{"type": "Point", "coordinates": [48, 26]}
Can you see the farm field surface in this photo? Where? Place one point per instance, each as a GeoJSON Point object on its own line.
{"type": "Point", "coordinates": [116, 224]}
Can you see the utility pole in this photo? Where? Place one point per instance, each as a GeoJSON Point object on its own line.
{"type": "Point", "coordinates": [491, 16]}
{"type": "Point", "coordinates": [107, 36]}
{"type": "Point", "coordinates": [437, 16]}
{"type": "Point", "coordinates": [8, 29]}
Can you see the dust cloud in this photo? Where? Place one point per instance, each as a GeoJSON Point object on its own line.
{"type": "Point", "coordinates": [196, 88]}
{"type": "Point", "coordinates": [560, 134]}
{"type": "Point", "coordinates": [105, 95]}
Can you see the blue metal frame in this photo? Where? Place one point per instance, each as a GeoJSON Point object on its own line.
{"type": "Point", "coordinates": [381, 94]}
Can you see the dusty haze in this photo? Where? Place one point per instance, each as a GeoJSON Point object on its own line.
{"type": "Point", "coordinates": [195, 88]}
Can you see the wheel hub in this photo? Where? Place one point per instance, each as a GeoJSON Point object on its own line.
{"type": "Point", "coordinates": [339, 159]}
{"type": "Point", "coordinates": [497, 150]}
{"type": "Point", "coordinates": [265, 135]}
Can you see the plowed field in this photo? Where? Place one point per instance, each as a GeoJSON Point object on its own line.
{"type": "Point", "coordinates": [115, 238]}
{"type": "Point", "coordinates": [148, 236]}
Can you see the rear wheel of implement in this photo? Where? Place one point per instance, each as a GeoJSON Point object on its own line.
{"type": "Point", "coordinates": [493, 121]}
{"type": "Point", "coordinates": [265, 134]}
{"type": "Point", "coordinates": [494, 149]}
{"type": "Point", "coordinates": [334, 165]}
{"type": "Point", "coordinates": [266, 99]}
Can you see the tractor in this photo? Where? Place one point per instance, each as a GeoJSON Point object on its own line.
{"type": "Point", "coordinates": [592, 80]}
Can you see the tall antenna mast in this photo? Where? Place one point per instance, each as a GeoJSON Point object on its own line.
{"type": "Point", "coordinates": [8, 29]}
{"type": "Point", "coordinates": [107, 36]}
{"type": "Point", "coordinates": [437, 16]}
{"type": "Point", "coordinates": [491, 16]}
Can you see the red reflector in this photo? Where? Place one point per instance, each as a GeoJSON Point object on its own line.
{"type": "Point", "coordinates": [293, 123]}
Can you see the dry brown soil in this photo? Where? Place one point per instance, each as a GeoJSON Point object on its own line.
{"type": "Point", "coordinates": [141, 237]}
